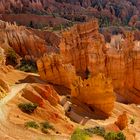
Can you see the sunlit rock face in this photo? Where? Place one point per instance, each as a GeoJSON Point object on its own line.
{"type": "Point", "coordinates": [122, 121]}
{"type": "Point", "coordinates": [97, 92]}
{"type": "Point", "coordinates": [85, 48]}
{"type": "Point", "coordinates": [52, 69]}
{"type": "Point", "coordinates": [4, 87]}
{"type": "Point", "coordinates": [38, 93]}
{"type": "Point", "coordinates": [49, 109]}
{"type": "Point", "coordinates": [20, 39]}
{"type": "Point", "coordinates": [82, 47]}
{"type": "Point", "coordinates": [2, 57]}
{"type": "Point", "coordinates": [122, 65]}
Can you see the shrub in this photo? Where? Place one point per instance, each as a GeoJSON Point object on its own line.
{"type": "Point", "coordinates": [58, 27]}
{"type": "Point", "coordinates": [110, 136]}
{"type": "Point", "coordinates": [79, 134]}
{"type": "Point", "coordinates": [120, 136]}
{"type": "Point", "coordinates": [114, 136]}
{"type": "Point", "coordinates": [62, 26]}
{"type": "Point", "coordinates": [27, 107]}
{"type": "Point", "coordinates": [28, 66]}
{"type": "Point", "coordinates": [85, 134]}
{"type": "Point", "coordinates": [98, 130]}
{"type": "Point", "coordinates": [132, 120]}
{"type": "Point", "coordinates": [87, 73]}
{"type": "Point", "coordinates": [104, 21]}
{"type": "Point", "coordinates": [32, 124]}
{"type": "Point", "coordinates": [46, 126]}
{"type": "Point", "coordinates": [12, 56]}
{"type": "Point", "coordinates": [31, 24]}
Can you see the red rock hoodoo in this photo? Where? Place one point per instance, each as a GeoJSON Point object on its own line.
{"type": "Point", "coordinates": [52, 69]}
{"type": "Point", "coordinates": [23, 42]}
{"type": "Point", "coordinates": [85, 48]}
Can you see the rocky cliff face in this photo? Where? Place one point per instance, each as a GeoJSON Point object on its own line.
{"type": "Point", "coordinates": [24, 43]}
{"type": "Point", "coordinates": [122, 65]}
{"type": "Point", "coordinates": [122, 121]}
{"type": "Point", "coordinates": [52, 69]}
{"type": "Point", "coordinates": [37, 93]}
{"type": "Point", "coordinates": [84, 47]}
{"type": "Point", "coordinates": [52, 39]}
{"type": "Point", "coordinates": [97, 92]}
{"type": "Point", "coordinates": [91, 91]}
{"type": "Point", "coordinates": [2, 57]}
{"type": "Point", "coordinates": [4, 86]}
{"type": "Point", "coordinates": [47, 98]}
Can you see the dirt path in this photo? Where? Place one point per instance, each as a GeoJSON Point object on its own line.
{"type": "Point", "coordinates": [14, 91]}
{"type": "Point", "coordinates": [9, 131]}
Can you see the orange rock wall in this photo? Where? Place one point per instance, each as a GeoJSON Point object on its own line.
{"type": "Point", "coordinates": [52, 69]}
{"type": "Point", "coordinates": [85, 48]}
{"type": "Point", "coordinates": [96, 92]}
{"type": "Point", "coordinates": [38, 93]}
{"type": "Point", "coordinates": [123, 67]}
{"type": "Point", "coordinates": [82, 47]}
{"type": "Point", "coordinates": [22, 41]}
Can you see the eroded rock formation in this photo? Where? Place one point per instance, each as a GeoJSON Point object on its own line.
{"type": "Point", "coordinates": [38, 93]}
{"type": "Point", "coordinates": [2, 57]}
{"type": "Point", "coordinates": [97, 92]}
{"type": "Point", "coordinates": [122, 65]}
{"type": "Point", "coordinates": [48, 109]}
{"type": "Point", "coordinates": [20, 39]}
{"type": "Point", "coordinates": [85, 48]}
{"type": "Point", "coordinates": [122, 121]}
{"type": "Point", "coordinates": [52, 69]}
{"type": "Point", "coordinates": [82, 47]}
{"type": "Point", "coordinates": [4, 88]}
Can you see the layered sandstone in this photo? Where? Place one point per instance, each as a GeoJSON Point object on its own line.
{"type": "Point", "coordinates": [122, 121]}
{"type": "Point", "coordinates": [85, 48]}
{"type": "Point", "coordinates": [52, 39]}
{"type": "Point", "coordinates": [2, 57]}
{"type": "Point", "coordinates": [97, 92]}
{"type": "Point", "coordinates": [122, 65]}
{"type": "Point", "coordinates": [48, 110]}
{"type": "Point", "coordinates": [38, 93]}
{"type": "Point", "coordinates": [82, 47]}
{"type": "Point", "coordinates": [21, 40]}
{"type": "Point", "coordinates": [47, 92]}
{"type": "Point", "coordinates": [52, 69]}
{"type": "Point", "coordinates": [4, 88]}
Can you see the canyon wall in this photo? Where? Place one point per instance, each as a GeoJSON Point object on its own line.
{"type": "Point", "coordinates": [52, 69]}
{"type": "Point", "coordinates": [97, 92]}
{"type": "Point", "coordinates": [22, 41]}
{"type": "Point", "coordinates": [123, 67]}
{"type": "Point", "coordinates": [84, 47]}
{"type": "Point", "coordinates": [37, 93]}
